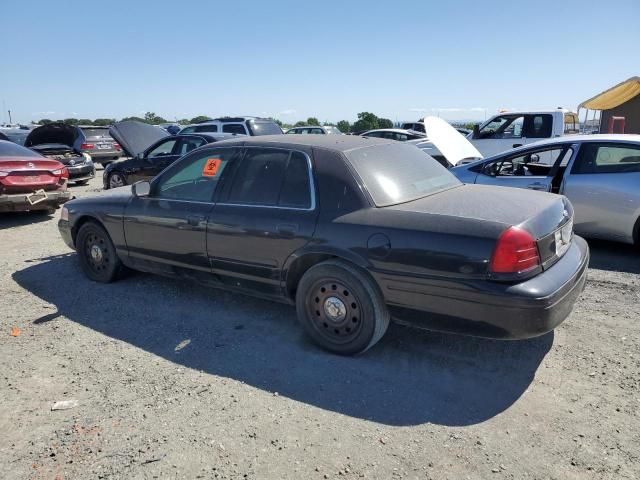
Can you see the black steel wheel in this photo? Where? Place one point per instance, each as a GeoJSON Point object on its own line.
{"type": "Point", "coordinates": [116, 180]}
{"type": "Point", "coordinates": [341, 308]}
{"type": "Point", "coordinates": [98, 256]}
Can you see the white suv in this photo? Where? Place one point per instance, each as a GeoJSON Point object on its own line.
{"type": "Point", "coordinates": [236, 125]}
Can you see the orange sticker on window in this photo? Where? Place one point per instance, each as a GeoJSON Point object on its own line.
{"type": "Point", "coordinates": [211, 167]}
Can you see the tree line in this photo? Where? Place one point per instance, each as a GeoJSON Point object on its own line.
{"type": "Point", "coordinates": [366, 121]}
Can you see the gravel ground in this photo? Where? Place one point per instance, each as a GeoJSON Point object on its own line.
{"type": "Point", "coordinates": [174, 380]}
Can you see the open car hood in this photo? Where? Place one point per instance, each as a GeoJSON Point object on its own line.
{"type": "Point", "coordinates": [135, 137]}
{"type": "Point", "coordinates": [452, 145]}
{"type": "Point", "coordinates": [55, 133]}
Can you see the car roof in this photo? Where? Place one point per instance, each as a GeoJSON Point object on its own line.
{"type": "Point", "coordinates": [395, 130]}
{"type": "Point", "coordinates": [340, 143]}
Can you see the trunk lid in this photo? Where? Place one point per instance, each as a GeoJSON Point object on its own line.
{"type": "Point", "coordinates": [135, 137]}
{"type": "Point", "coordinates": [27, 175]}
{"type": "Point", "coordinates": [452, 145]}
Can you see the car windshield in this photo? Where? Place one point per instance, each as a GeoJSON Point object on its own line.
{"type": "Point", "coordinates": [9, 149]}
{"type": "Point", "coordinates": [264, 128]}
{"type": "Point", "coordinates": [398, 173]}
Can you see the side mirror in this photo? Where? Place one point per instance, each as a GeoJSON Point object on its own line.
{"type": "Point", "coordinates": [476, 130]}
{"type": "Point", "coordinates": [141, 189]}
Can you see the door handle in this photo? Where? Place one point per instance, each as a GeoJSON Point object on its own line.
{"type": "Point", "coordinates": [287, 229]}
{"type": "Point", "coordinates": [194, 220]}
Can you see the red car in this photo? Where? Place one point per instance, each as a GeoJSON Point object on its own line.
{"type": "Point", "coordinates": [29, 181]}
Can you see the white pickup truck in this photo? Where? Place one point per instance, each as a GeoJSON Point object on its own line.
{"type": "Point", "coordinates": [514, 129]}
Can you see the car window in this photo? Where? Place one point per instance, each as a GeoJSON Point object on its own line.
{"type": "Point", "coordinates": [195, 177]}
{"type": "Point", "coordinates": [188, 130]}
{"type": "Point", "coordinates": [293, 131]}
{"type": "Point", "coordinates": [96, 133]}
{"type": "Point", "coordinates": [507, 126]}
{"type": "Point", "coordinates": [206, 128]}
{"type": "Point", "coordinates": [264, 127]}
{"type": "Point", "coordinates": [272, 177]}
{"type": "Point", "coordinates": [10, 149]}
{"type": "Point", "coordinates": [538, 126]}
{"type": "Point", "coordinates": [397, 173]}
{"type": "Point", "coordinates": [538, 163]}
{"type": "Point", "coordinates": [162, 150]}
{"type": "Point", "coordinates": [375, 134]}
{"type": "Point", "coordinates": [571, 123]}
{"type": "Point", "coordinates": [317, 131]}
{"type": "Point", "coordinates": [296, 187]}
{"type": "Point", "coordinates": [607, 158]}
{"type": "Point", "coordinates": [185, 145]}
{"type": "Point", "coordinates": [233, 128]}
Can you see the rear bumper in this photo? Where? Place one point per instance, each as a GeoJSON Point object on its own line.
{"type": "Point", "coordinates": [489, 309]}
{"type": "Point", "coordinates": [101, 155]}
{"type": "Point", "coordinates": [18, 202]}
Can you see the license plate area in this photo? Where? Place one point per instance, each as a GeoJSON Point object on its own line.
{"type": "Point", "coordinates": [37, 197]}
{"type": "Point", "coordinates": [103, 146]}
{"type": "Point", "coordinates": [563, 238]}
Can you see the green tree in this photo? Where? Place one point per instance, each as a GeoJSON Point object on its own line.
{"type": "Point", "coordinates": [70, 121]}
{"type": "Point", "coordinates": [344, 126]}
{"type": "Point", "coordinates": [44, 121]}
{"type": "Point", "coordinates": [184, 121]}
{"type": "Point", "coordinates": [278, 122]}
{"type": "Point", "coordinates": [313, 121]}
{"type": "Point", "coordinates": [104, 122]}
{"type": "Point", "coordinates": [153, 119]}
{"type": "Point", "coordinates": [85, 121]}
{"type": "Point", "coordinates": [366, 121]}
{"type": "Point", "coordinates": [300, 124]}
{"type": "Point", "coordinates": [199, 118]}
{"type": "Point", "coordinates": [385, 123]}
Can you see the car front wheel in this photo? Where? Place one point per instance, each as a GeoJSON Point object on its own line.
{"type": "Point", "coordinates": [116, 180]}
{"type": "Point", "coordinates": [98, 256]}
{"type": "Point", "coordinates": [341, 308]}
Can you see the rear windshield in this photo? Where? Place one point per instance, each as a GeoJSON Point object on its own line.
{"type": "Point", "coordinates": [264, 128]}
{"type": "Point", "coordinates": [397, 173]}
{"type": "Point", "coordinates": [9, 149]}
{"type": "Point", "coordinates": [96, 132]}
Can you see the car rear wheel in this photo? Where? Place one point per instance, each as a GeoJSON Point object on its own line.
{"type": "Point", "coordinates": [341, 308]}
{"type": "Point", "coordinates": [116, 180]}
{"type": "Point", "coordinates": [98, 256]}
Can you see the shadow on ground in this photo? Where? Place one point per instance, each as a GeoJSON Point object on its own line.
{"type": "Point", "coordinates": [19, 219]}
{"type": "Point", "coordinates": [613, 256]}
{"type": "Point", "coordinates": [411, 377]}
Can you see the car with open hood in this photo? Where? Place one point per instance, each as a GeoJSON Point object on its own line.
{"type": "Point", "coordinates": [150, 149]}
{"type": "Point", "coordinates": [352, 231]}
{"type": "Point", "coordinates": [29, 181]}
{"type": "Point", "coordinates": [63, 143]}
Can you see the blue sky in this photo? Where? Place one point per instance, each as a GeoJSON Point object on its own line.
{"type": "Point", "coordinates": [294, 59]}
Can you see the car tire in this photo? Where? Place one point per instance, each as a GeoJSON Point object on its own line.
{"type": "Point", "coordinates": [341, 308]}
{"type": "Point", "coordinates": [116, 180]}
{"type": "Point", "coordinates": [81, 182]}
{"type": "Point", "coordinates": [98, 256]}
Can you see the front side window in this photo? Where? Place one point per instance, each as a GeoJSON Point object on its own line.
{"type": "Point", "coordinates": [272, 177]}
{"type": "Point", "coordinates": [187, 144]}
{"type": "Point", "coordinates": [538, 163]}
{"type": "Point", "coordinates": [195, 177]}
{"type": "Point", "coordinates": [607, 158]}
{"type": "Point", "coordinates": [506, 126]}
{"type": "Point", "coordinates": [162, 150]}
{"type": "Point", "coordinates": [396, 173]}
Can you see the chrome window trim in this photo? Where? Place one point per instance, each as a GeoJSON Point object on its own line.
{"type": "Point", "coordinates": [277, 207]}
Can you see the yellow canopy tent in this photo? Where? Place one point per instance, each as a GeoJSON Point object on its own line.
{"type": "Point", "coordinates": [611, 98]}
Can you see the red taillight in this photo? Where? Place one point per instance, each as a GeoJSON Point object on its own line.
{"type": "Point", "coordinates": [515, 252]}
{"type": "Point", "coordinates": [86, 146]}
{"type": "Point", "coordinates": [61, 172]}
{"type": "Point", "coordinates": [117, 146]}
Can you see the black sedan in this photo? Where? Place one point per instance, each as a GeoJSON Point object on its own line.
{"type": "Point", "coordinates": [352, 231]}
{"type": "Point", "coordinates": [151, 150]}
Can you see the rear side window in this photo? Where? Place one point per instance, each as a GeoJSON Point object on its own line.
{"type": "Point", "coordinates": [234, 128]}
{"type": "Point", "coordinates": [607, 158]}
{"type": "Point", "coordinates": [187, 144]}
{"type": "Point", "coordinates": [538, 126]}
{"type": "Point", "coordinates": [262, 127]}
{"type": "Point", "coordinates": [206, 128]}
{"type": "Point", "coordinates": [272, 177]}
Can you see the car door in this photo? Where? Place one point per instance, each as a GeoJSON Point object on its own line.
{"type": "Point", "coordinates": [603, 185]}
{"type": "Point", "coordinates": [265, 213]}
{"type": "Point", "coordinates": [155, 159]}
{"type": "Point", "coordinates": [535, 168]}
{"type": "Point", "coordinates": [166, 230]}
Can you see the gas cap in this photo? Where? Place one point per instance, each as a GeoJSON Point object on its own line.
{"type": "Point", "coordinates": [378, 245]}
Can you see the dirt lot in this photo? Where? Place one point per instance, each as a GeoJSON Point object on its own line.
{"type": "Point", "coordinates": [177, 381]}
